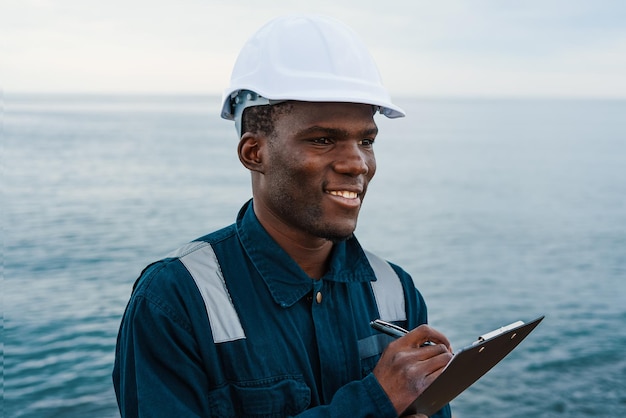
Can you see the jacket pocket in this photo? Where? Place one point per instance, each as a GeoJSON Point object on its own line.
{"type": "Point", "coordinates": [370, 350]}
{"type": "Point", "coordinates": [278, 396]}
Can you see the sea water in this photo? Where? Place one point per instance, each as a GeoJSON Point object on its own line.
{"type": "Point", "coordinates": [500, 209]}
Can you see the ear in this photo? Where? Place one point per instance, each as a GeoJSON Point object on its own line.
{"type": "Point", "coordinates": [251, 151]}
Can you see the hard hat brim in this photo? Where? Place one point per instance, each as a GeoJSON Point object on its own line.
{"type": "Point", "coordinates": [385, 107]}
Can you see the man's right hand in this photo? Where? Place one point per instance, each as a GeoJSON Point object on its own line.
{"type": "Point", "coordinates": [407, 367]}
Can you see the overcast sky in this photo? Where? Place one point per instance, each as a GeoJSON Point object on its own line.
{"type": "Point", "coordinates": [423, 47]}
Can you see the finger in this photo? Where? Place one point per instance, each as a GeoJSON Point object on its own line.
{"type": "Point", "coordinates": [428, 351]}
{"type": "Point", "coordinates": [424, 334]}
{"type": "Point", "coordinates": [433, 366]}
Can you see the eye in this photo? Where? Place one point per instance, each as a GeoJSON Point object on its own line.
{"type": "Point", "coordinates": [367, 142]}
{"type": "Point", "coordinates": [322, 141]}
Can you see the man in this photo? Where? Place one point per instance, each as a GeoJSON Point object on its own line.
{"type": "Point", "coordinates": [270, 316]}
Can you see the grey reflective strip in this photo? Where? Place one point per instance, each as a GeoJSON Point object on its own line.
{"type": "Point", "coordinates": [387, 290]}
{"type": "Point", "coordinates": [373, 345]}
{"type": "Point", "coordinates": [186, 249]}
{"type": "Point", "coordinates": [201, 262]}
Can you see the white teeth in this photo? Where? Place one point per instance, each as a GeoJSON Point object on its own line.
{"type": "Point", "coordinates": [343, 193]}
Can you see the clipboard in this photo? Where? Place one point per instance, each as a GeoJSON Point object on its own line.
{"type": "Point", "coordinates": [469, 364]}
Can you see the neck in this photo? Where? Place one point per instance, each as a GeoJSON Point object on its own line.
{"type": "Point", "coordinates": [313, 260]}
{"type": "Point", "coordinates": [312, 254]}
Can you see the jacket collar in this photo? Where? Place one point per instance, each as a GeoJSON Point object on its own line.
{"type": "Point", "coordinates": [286, 281]}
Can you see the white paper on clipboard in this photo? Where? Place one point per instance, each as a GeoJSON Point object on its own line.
{"type": "Point", "coordinates": [469, 364]}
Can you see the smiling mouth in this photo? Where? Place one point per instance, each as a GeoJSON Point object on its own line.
{"type": "Point", "coordinates": [343, 193]}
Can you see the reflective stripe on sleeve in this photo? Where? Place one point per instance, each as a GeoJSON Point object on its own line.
{"type": "Point", "coordinates": [387, 290]}
{"type": "Point", "coordinates": [201, 262]}
{"type": "Point", "coordinates": [373, 345]}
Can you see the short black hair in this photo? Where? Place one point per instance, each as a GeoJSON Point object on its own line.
{"type": "Point", "coordinates": [260, 119]}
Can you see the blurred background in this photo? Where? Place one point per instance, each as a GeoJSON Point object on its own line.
{"type": "Point", "coordinates": [503, 191]}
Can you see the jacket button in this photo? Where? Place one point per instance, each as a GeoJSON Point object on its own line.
{"type": "Point", "coordinates": [318, 297]}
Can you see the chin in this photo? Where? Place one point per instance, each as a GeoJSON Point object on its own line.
{"type": "Point", "coordinates": [336, 234]}
{"type": "Point", "coordinates": [336, 240]}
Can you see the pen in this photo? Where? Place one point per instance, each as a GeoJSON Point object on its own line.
{"type": "Point", "coordinates": [392, 329]}
{"type": "Point", "coordinates": [388, 328]}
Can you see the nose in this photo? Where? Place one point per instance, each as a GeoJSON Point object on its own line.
{"type": "Point", "coordinates": [354, 160]}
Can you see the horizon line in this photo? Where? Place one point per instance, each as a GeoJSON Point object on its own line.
{"type": "Point", "coordinates": [412, 96]}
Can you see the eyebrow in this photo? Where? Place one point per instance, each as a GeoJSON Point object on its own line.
{"type": "Point", "coordinates": [336, 132]}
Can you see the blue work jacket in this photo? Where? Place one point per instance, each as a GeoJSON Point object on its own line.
{"type": "Point", "coordinates": [231, 326]}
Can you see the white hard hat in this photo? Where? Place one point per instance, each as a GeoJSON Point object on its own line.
{"type": "Point", "coordinates": [305, 58]}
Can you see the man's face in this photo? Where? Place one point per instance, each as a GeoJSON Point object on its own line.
{"type": "Point", "coordinates": [317, 167]}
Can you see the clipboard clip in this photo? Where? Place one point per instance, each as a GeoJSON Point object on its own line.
{"type": "Point", "coordinates": [498, 331]}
